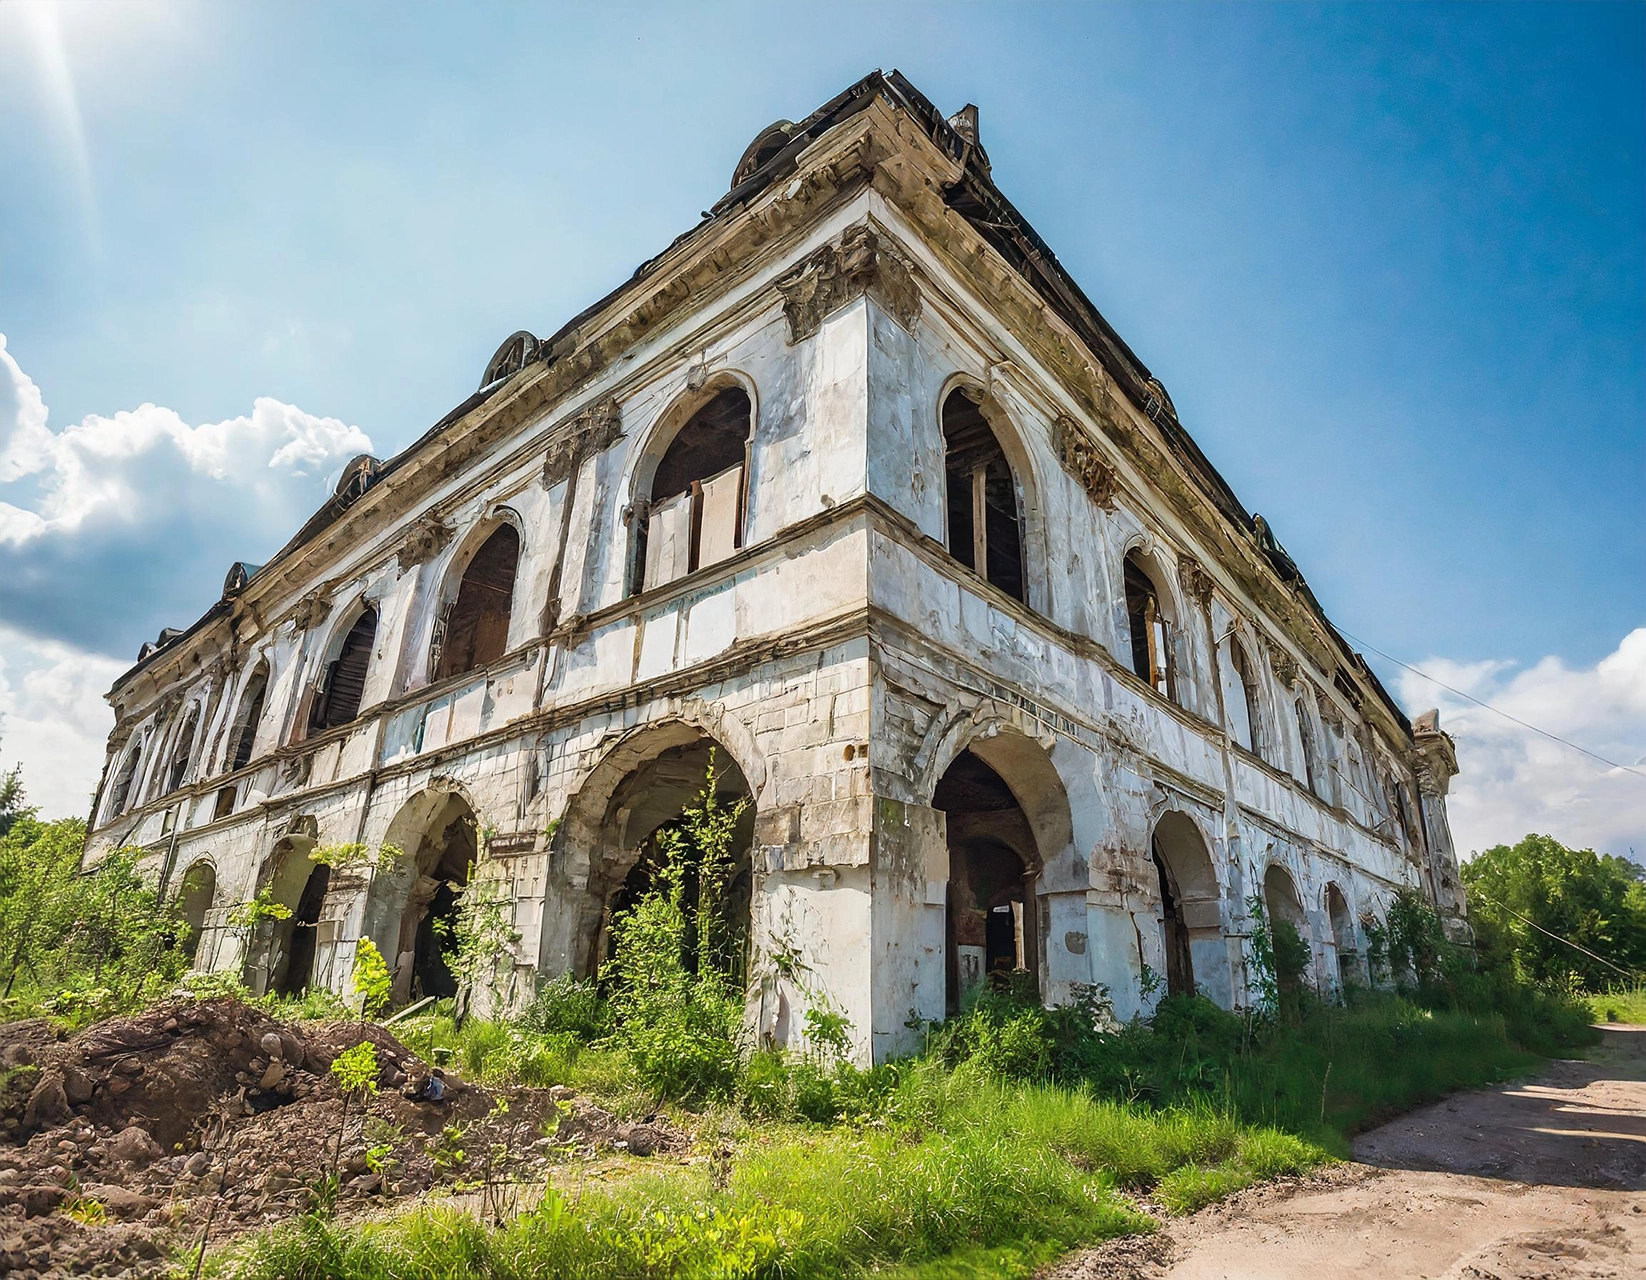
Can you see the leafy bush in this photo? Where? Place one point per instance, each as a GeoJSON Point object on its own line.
{"type": "Point", "coordinates": [565, 1004]}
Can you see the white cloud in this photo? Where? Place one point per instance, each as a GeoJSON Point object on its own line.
{"type": "Point", "coordinates": [1514, 781]}
{"type": "Point", "coordinates": [53, 720]}
{"type": "Point", "coordinates": [116, 526]}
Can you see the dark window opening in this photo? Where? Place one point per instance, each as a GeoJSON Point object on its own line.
{"type": "Point", "coordinates": [337, 700]}
{"type": "Point", "coordinates": [985, 521]}
{"type": "Point", "coordinates": [1150, 631]}
{"type": "Point", "coordinates": [437, 913]}
{"type": "Point", "coordinates": [180, 755]}
{"type": "Point", "coordinates": [224, 805]}
{"type": "Point", "coordinates": [1306, 737]}
{"type": "Point", "coordinates": [122, 783]}
{"type": "Point", "coordinates": [1179, 961]}
{"type": "Point", "coordinates": [693, 515]}
{"type": "Point", "coordinates": [476, 630]}
{"type": "Point", "coordinates": [249, 717]}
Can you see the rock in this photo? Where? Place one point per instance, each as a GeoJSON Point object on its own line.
{"type": "Point", "coordinates": [77, 1085]}
{"type": "Point", "coordinates": [39, 1200]}
{"type": "Point", "coordinates": [48, 1105]}
{"type": "Point", "coordinates": [560, 1093]}
{"type": "Point", "coordinates": [120, 1203]}
{"type": "Point", "coordinates": [291, 1049]}
{"type": "Point", "coordinates": [133, 1146]}
{"type": "Point", "coordinates": [273, 1074]}
{"type": "Point", "coordinates": [197, 1165]}
{"type": "Point", "coordinates": [645, 1140]}
{"type": "Point", "coordinates": [129, 1067]}
{"type": "Point", "coordinates": [16, 1055]}
{"type": "Point", "coordinates": [119, 1085]}
{"type": "Point", "coordinates": [272, 1045]}
{"type": "Point", "coordinates": [365, 1184]}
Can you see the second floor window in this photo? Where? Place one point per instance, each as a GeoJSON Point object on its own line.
{"type": "Point", "coordinates": [475, 627]}
{"type": "Point", "coordinates": [693, 515]}
{"type": "Point", "coordinates": [1149, 630]}
{"type": "Point", "coordinates": [984, 518]}
{"type": "Point", "coordinates": [337, 700]}
{"type": "Point", "coordinates": [181, 753]}
{"type": "Point", "coordinates": [248, 717]}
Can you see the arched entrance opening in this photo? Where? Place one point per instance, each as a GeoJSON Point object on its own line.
{"type": "Point", "coordinates": [194, 899]}
{"type": "Point", "coordinates": [1343, 936]}
{"type": "Point", "coordinates": [647, 810]}
{"type": "Point", "coordinates": [286, 874]}
{"type": "Point", "coordinates": [992, 925]}
{"type": "Point", "coordinates": [414, 903]}
{"type": "Point", "coordinates": [1190, 912]}
{"type": "Point", "coordinates": [294, 976]}
{"type": "Point", "coordinates": [1285, 908]}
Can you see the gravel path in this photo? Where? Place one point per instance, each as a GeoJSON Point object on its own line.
{"type": "Point", "coordinates": [1538, 1180]}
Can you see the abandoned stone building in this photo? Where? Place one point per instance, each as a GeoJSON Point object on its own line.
{"type": "Point", "coordinates": [853, 487]}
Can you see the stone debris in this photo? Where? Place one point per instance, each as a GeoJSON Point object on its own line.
{"type": "Point", "coordinates": [115, 1143]}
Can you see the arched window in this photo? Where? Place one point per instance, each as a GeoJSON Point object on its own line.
{"type": "Point", "coordinates": [180, 753]}
{"type": "Point", "coordinates": [474, 630]}
{"type": "Point", "coordinates": [1306, 737]}
{"type": "Point", "coordinates": [985, 518]}
{"type": "Point", "coordinates": [1343, 936]}
{"type": "Point", "coordinates": [250, 714]}
{"type": "Point", "coordinates": [121, 792]}
{"type": "Point", "coordinates": [337, 697]}
{"type": "Point", "coordinates": [1150, 626]}
{"type": "Point", "coordinates": [1240, 701]}
{"type": "Point", "coordinates": [692, 516]}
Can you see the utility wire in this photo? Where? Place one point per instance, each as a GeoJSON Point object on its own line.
{"type": "Point", "coordinates": [1553, 737]}
{"type": "Point", "coordinates": [1585, 950]}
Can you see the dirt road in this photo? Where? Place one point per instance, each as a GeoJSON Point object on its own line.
{"type": "Point", "coordinates": [1539, 1180]}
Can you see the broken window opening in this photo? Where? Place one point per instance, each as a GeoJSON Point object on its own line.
{"type": "Point", "coordinates": [1343, 936]}
{"type": "Point", "coordinates": [337, 698]}
{"type": "Point", "coordinates": [1150, 631]}
{"type": "Point", "coordinates": [194, 899]}
{"type": "Point", "coordinates": [182, 751]}
{"type": "Point", "coordinates": [121, 792]}
{"type": "Point", "coordinates": [1306, 739]}
{"type": "Point", "coordinates": [985, 518]}
{"type": "Point", "coordinates": [692, 516]}
{"type": "Point", "coordinates": [224, 804]}
{"type": "Point", "coordinates": [249, 716]}
{"type": "Point", "coordinates": [297, 970]}
{"type": "Point", "coordinates": [476, 623]}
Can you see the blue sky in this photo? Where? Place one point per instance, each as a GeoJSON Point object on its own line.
{"type": "Point", "coordinates": [1390, 261]}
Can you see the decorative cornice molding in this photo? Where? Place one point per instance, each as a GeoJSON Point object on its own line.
{"type": "Point", "coordinates": [839, 273]}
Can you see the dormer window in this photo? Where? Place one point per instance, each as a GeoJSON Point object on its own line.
{"type": "Point", "coordinates": [693, 514]}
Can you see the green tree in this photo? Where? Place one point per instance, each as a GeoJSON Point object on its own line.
{"type": "Point", "coordinates": [1530, 902]}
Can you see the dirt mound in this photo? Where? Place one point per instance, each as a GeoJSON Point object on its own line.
{"type": "Point", "coordinates": [117, 1144]}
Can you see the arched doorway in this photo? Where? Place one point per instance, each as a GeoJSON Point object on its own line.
{"type": "Point", "coordinates": [414, 902]}
{"type": "Point", "coordinates": [194, 899]}
{"type": "Point", "coordinates": [647, 806]}
{"type": "Point", "coordinates": [1343, 937]}
{"type": "Point", "coordinates": [1285, 908]}
{"type": "Point", "coordinates": [991, 920]}
{"type": "Point", "coordinates": [292, 978]}
{"type": "Point", "coordinates": [287, 874]}
{"type": "Point", "coordinates": [1191, 917]}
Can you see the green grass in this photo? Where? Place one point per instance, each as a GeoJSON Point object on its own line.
{"type": "Point", "coordinates": [1628, 1005]}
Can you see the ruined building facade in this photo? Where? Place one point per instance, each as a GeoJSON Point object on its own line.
{"type": "Point", "coordinates": [854, 488]}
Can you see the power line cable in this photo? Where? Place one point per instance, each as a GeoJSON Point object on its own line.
{"type": "Point", "coordinates": [1469, 697]}
{"type": "Point", "coordinates": [1585, 950]}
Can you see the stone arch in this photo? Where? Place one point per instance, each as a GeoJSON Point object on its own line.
{"type": "Point", "coordinates": [196, 894]}
{"type": "Point", "coordinates": [476, 604]}
{"type": "Point", "coordinates": [640, 782]}
{"type": "Point", "coordinates": [280, 953]}
{"type": "Point", "coordinates": [1340, 919]}
{"type": "Point", "coordinates": [1009, 834]}
{"type": "Point", "coordinates": [1191, 909]}
{"type": "Point", "coordinates": [688, 482]}
{"type": "Point", "coordinates": [437, 833]}
{"type": "Point", "coordinates": [1282, 902]}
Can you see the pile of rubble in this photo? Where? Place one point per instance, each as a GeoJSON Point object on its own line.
{"type": "Point", "coordinates": [120, 1144]}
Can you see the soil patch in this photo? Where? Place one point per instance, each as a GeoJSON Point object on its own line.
{"type": "Point", "coordinates": [118, 1144]}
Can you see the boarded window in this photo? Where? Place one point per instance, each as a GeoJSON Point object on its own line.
{"type": "Point", "coordinates": [476, 631]}
{"type": "Point", "coordinates": [1150, 631]}
{"type": "Point", "coordinates": [985, 521]}
{"type": "Point", "coordinates": [248, 717]}
{"type": "Point", "coordinates": [337, 700]}
{"type": "Point", "coordinates": [693, 517]}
